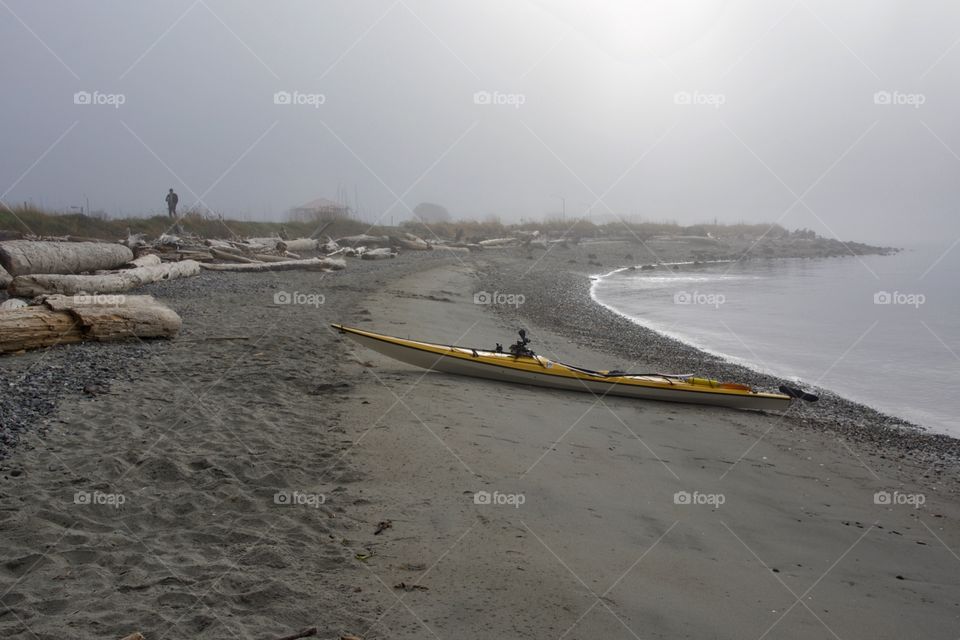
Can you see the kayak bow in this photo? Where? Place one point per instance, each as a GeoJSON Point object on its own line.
{"type": "Point", "coordinates": [539, 371]}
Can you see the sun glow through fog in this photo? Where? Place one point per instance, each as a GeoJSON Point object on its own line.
{"type": "Point", "coordinates": [629, 30]}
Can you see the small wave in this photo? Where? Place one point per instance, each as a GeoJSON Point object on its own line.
{"type": "Point", "coordinates": [687, 340]}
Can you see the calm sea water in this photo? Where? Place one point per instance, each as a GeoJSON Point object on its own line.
{"type": "Point", "coordinates": [882, 330]}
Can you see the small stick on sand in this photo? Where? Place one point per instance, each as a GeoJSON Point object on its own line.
{"type": "Point", "coordinates": [304, 633]}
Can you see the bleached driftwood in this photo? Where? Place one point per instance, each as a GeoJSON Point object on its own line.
{"type": "Point", "coordinates": [134, 239]}
{"type": "Point", "coordinates": [300, 244]}
{"type": "Point", "coordinates": [24, 257]}
{"type": "Point", "coordinates": [71, 319]}
{"type": "Point", "coordinates": [34, 285]}
{"type": "Point", "coordinates": [378, 254]}
{"type": "Point", "coordinates": [231, 257]}
{"type": "Point", "coordinates": [70, 238]}
{"type": "Point", "coordinates": [311, 264]}
{"type": "Point", "coordinates": [411, 242]}
{"type": "Point", "coordinates": [497, 242]}
{"type": "Point", "coordinates": [364, 239]}
{"type": "Point", "coordinates": [266, 257]}
{"type": "Point", "coordinates": [265, 242]}
{"type": "Point", "coordinates": [187, 254]}
{"type": "Point", "coordinates": [12, 303]}
{"type": "Point", "coordinates": [217, 244]}
{"type": "Point", "coordinates": [146, 260]}
{"type": "Point", "coordinates": [239, 250]}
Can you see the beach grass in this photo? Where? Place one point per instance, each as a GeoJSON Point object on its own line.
{"type": "Point", "coordinates": [770, 239]}
{"type": "Point", "coordinates": [34, 221]}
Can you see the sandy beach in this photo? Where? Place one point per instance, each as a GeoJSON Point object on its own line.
{"type": "Point", "coordinates": [253, 253]}
{"type": "Point", "coordinates": [260, 474]}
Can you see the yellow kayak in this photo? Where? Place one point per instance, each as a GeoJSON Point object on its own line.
{"type": "Point", "coordinates": [523, 366]}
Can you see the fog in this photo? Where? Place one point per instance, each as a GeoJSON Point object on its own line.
{"type": "Point", "coordinates": [838, 117]}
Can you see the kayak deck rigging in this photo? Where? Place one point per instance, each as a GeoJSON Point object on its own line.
{"type": "Point", "coordinates": [522, 365]}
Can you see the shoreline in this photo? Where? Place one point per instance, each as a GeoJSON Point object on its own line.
{"type": "Point", "coordinates": [559, 293]}
{"type": "Point", "coordinates": [27, 409]}
{"type": "Point", "coordinates": [746, 363]}
{"type": "Point", "coordinates": [667, 334]}
{"type": "Point", "coordinates": [599, 481]}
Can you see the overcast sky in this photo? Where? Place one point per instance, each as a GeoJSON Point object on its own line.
{"type": "Point", "coordinates": [753, 111]}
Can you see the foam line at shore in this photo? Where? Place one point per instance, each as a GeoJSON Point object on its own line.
{"type": "Point", "coordinates": [753, 366]}
{"type": "Point", "coordinates": [915, 417]}
{"type": "Point", "coordinates": [660, 264]}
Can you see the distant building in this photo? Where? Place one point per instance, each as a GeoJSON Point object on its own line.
{"type": "Point", "coordinates": [428, 212]}
{"type": "Point", "coordinates": [319, 209]}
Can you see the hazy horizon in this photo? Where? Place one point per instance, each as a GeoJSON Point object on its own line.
{"type": "Point", "coordinates": [833, 118]}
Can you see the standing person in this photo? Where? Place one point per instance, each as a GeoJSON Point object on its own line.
{"type": "Point", "coordinates": [172, 200]}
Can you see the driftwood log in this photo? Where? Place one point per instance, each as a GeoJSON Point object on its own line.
{"type": "Point", "coordinates": [71, 319]}
{"type": "Point", "coordinates": [69, 238]}
{"type": "Point", "coordinates": [279, 244]}
{"type": "Point", "coordinates": [146, 260]}
{"type": "Point", "coordinates": [186, 254]}
{"type": "Point", "coordinates": [217, 244]}
{"type": "Point", "coordinates": [301, 244]}
{"type": "Point", "coordinates": [230, 256]}
{"type": "Point", "coordinates": [25, 257]}
{"type": "Point", "coordinates": [378, 254]}
{"type": "Point", "coordinates": [12, 303]}
{"type": "Point", "coordinates": [241, 250]}
{"type": "Point", "coordinates": [411, 242]}
{"type": "Point", "coordinates": [266, 257]}
{"type": "Point", "coordinates": [497, 242]}
{"type": "Point", "coordinates": [311, 264]}
{"type": "Point", "coordinates": [365, 240]}
{"type": "Point", "coordinates": [39, 284]}
{"type": "Point", "coordinates": [268, 243]}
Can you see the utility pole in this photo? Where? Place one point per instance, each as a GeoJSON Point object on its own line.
{"type": "Point", "coordinates": [563, 206]}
